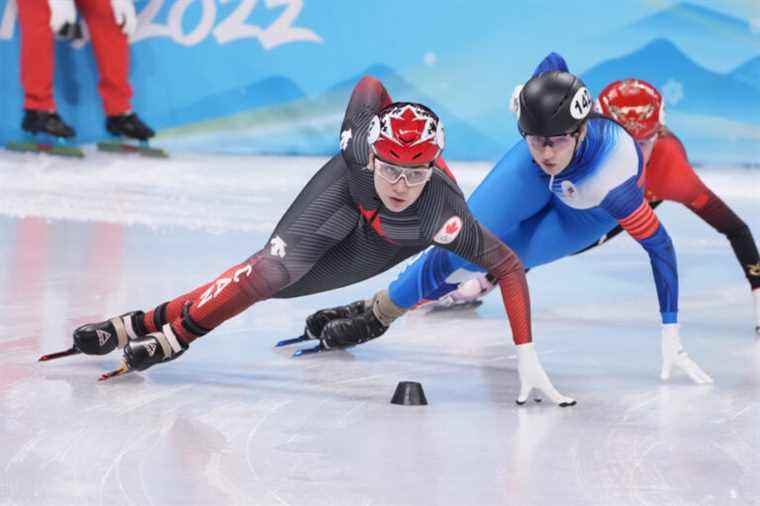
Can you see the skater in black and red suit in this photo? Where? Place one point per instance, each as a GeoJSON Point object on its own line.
{"type": "Point", "coordinates": [385, 197]}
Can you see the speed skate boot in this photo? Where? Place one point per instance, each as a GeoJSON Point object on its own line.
{"type": "Point", "coordinates": [46, 122]}
{"type": "Point", "coordinates": [130, 135]}
{"type": "Point", "coordinates": [154, 348]}
{"type": "Point", "coordinates": [147, 351]}
{"type": "Point", "coordinates": [130, 126]}
{"type": "Point", "coordinates": [45, 132]}
{"type": "Point", "coordinates": [315, 322]}
{"type": "Point", "coordinates": [103, 337]}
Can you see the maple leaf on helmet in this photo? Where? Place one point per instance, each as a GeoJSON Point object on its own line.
{"type": "Point", "coordinates": [406, 133]}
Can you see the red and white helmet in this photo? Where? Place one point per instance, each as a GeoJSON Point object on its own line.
{"type": "Point", "coordinates": [406, 133]}
{"type": "Point", "coordinates": [635, 104]}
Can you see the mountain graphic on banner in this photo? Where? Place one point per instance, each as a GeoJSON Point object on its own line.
{"type": "Point", "coordinates": [267, 92]}
{"type": "Point", "coordinates": [687, 86]}
{"type": "Point", "coordinates": [310, 125]}
{"type": "Point", "coordinates": [748, 73]}
{"type": "Point", "coordinates": [721, 41]}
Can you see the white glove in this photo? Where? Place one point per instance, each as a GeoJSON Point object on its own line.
{"type": "Point", "coordinates": [532, 375]}
{"type": "Point", "coordinates": [756, 295]}
{"type": "Point", "coordinates": [673, 354]}
{"type": "Point", "coordinates": [62, 12]}
{"type": "Point", "coordinates": [125, 15]}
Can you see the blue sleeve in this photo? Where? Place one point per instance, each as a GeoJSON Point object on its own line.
{"type": "Point", "coordinates": [513, 191]}
{"type": "Point", "coordinates": [626, 204]}
{"type": "Point", "coordinates": [662, 256]}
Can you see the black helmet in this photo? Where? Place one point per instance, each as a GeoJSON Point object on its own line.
{"type": "Point", "coordinates": [553, 103]}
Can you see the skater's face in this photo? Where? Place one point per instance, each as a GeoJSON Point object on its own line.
{"type": "Point", "coordinates": [646, 146]}
{"type": "Point", "coordinates": [554, 154]}
{"type": "Point", "coordinates": [399, 186]}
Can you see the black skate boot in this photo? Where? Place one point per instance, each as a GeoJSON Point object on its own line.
{"type": "Point", "coordinates": [46, 132]}
{"type": "Point", "coordinates": [315, 322]}
{"type": "Point", "coordinates": [50, 123]}
{"type": "Point", "coordinates": [347, 332]}
{"type": "Point", "coordinates": [103, 337]}
{"type": "Point", "coordinates": [131, 136]}
{"type": "Point", "coordinates": [147, 351]}
{"type": "Point", "coordinates": [129, 126]}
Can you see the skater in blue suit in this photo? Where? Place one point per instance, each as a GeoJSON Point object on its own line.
{"type": "Point", "coordinates": [573, 177]}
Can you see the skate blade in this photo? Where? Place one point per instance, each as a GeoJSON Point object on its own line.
{"type": "Point", "coordinates": [51, 149]}
{"type": "Point", "coordinates": [462, 306]}
{"type": "Point", "coordinates": [124, 147]}
{"type": "Point", "coordinates": [310, 351]}
{"type": "Point", "coordinates": [122, 370]}
{"type": "Point", "coordinates": [288, 342]}
{"type": "Point", "coordinates": [59, 354]}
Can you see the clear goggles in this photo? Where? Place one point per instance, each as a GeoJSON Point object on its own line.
{"type": "Point", "coordinates": [413, 176]}
{"type": "Point", "coordinates": [555, 141]}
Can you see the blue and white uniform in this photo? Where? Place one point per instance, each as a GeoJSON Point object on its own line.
{"type": "Point", "coordinates": [545, 218]}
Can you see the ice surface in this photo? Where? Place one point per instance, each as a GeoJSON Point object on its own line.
{"type": "Point", "coordinates": [237, 422]}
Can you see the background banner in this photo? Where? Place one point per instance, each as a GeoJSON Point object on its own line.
{"type": "Point", "coordinates": [273, 76]}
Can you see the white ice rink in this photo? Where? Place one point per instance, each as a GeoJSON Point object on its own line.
{"type": "Point", "coordinates": [235, 422]}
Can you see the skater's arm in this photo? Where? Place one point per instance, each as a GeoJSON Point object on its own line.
{"type": "Point", "coordinates": [627, 205]}
{"type": "Point", "coordinates": [479, 246]}
{"type": "Point", "coordinates": [673, 178]}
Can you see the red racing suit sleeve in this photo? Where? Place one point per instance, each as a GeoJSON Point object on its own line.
{"type": "Point", "coordinates": [670, 176]}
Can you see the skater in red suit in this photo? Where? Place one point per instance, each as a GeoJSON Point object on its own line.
{"type": "Point", "coordinates": [670, 176]}
{"type": "Point", "coordinates": [110, 24]}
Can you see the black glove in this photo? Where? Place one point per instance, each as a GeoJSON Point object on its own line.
{"type": "Point", "coordinates": [317, 321]}
{"type": "Point", "coordinates": [347, 332]}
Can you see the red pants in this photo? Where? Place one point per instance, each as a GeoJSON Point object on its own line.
{"type": "Point", "coordinates": [38, 55]}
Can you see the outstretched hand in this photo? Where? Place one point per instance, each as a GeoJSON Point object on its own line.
{"type": "Point", "coordinates": [673, 355]}
{"type": "Point", "coordinates": [532, 375]}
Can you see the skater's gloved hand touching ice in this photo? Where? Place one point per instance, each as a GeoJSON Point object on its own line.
{"type": "Point", "coordinates": [673, 355]}
{"type": "Point", "coordinates": [63, 13]}
{"type": "Point", "coordinates": [125, 16]}
{"type": "Point", "coordinates": [532, 375]}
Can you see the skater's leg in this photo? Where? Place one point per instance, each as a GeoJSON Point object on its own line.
{"type": "Point", "coordinates": [37, 55]}
{"type": "Point", "coordinates": [111, 54]}
{"type": "Point", "coordinates": [196, 313]}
